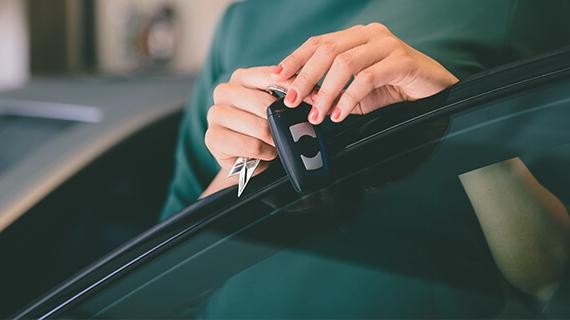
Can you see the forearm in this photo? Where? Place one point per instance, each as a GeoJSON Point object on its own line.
{"type": "Point", "coordinates": [526, 226]}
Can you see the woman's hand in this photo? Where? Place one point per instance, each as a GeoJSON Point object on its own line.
{"type": "Point", "coordinates": [385, 71]}
{"type": "Point", "coordinates": [237, 122]}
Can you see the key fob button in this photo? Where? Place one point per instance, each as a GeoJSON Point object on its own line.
{"type": "Point", "coordinates": [302, 129]}
{"type": "Point", "coordinates": [313, 163]}
{"type": "Point", "coordinates": [305, 138]}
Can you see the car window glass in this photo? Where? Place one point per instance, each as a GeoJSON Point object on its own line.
{"type": "Point", "coordinates": [398, 234]}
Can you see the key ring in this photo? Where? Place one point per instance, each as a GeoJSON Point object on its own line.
{"type": "Point", "coordinates": [272, 89]}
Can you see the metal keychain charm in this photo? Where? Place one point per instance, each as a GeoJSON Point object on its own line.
{"type": "Point", "coordinates": [245, 167]}
{"type": "Point", "coordinates": [273, 89]}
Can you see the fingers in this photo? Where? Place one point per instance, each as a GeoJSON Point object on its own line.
{"type": "Point", "coordinates": [226, 144]}
{"type": "Point", "coordinates": [250, 100]}
{"type": "Point", "coordinates": [293, 62]}
{"type": "Point", "coordinates": [384, 68]}
{"type": "Point", "coordinates": [237, 122]}
{"type": "Point", "coordinates": [240, 121]}
{"type": "Point", "coordinates": [383, 73]}
{"type": "Point", "coordinates": [257, 78]}
{"type": "Point", "coordinates": [312, 72]}
{"type": "Point", "coordinates": [318, 63]}
{"type": "Point", "coordinates": [344, 67]}
{"type": "Point", "coordinates": [296, 60]}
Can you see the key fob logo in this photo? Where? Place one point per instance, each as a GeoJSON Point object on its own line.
{"type": "Point", "coordinates": [299, 131]}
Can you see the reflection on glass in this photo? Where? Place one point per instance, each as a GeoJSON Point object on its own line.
{"type": "Point", "coordinates": [526, 226]}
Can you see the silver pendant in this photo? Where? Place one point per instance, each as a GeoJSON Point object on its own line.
{"type": "Point", "coordinates": [245, 167]}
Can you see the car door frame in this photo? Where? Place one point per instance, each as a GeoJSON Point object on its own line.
{"type": "Point", "coordinates": [480, 88]}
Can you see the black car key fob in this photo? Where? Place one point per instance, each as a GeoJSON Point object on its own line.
{"type": "Point", "coordinates": [300, 145]}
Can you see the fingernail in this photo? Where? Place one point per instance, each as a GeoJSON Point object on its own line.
{"type": "Point", "coordinates": [313, 115]}
{"type": "Point", "coordinates": [335, 116]}
{"type": "Point", "coordinates": [277, 70]}
{"type": "Point", "coordinates": [291, 97]}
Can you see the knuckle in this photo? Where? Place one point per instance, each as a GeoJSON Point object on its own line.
{"type": "Point", "coordinates": [349, 98]}
{"type": "Point", "coordinates": [345, 62]}
{"type": "Point", "coordinates": [219, 91]}
{"type": "Point", "coordinates": [272, 154]}
{"type": "Point", "coordinates": [291, 60]}
{"type": "Point", "coordinates": [392, 43]}
{"type": "Point", "coordinates": [358, 27]}
{"type": "Point", "coordinates": [256, 148]}
{"type": "Point", "coordinates": [313, 41]}
{"type": "Point", "coordinates": [211, 115]}
{"type": "Point", "coordinates": [378, 27]}
{"type": "Point", "coordinates": [266, 133]}
{"type": "Point", "coordinates": [327, 49]}
{"type": "Point", "coordinates": [237, 74]}
{"type": "Point", "coordinates": [209, 139]}
{"type": "Point", "coordinates": [366, 77]}
{"type": "Point", "coordinates": [401, 54]}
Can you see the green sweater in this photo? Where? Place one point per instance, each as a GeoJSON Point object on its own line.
{"type": "Point", "coordinates": [466, 36]}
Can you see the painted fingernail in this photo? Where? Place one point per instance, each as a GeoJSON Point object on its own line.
{"type": "Point", "coordinates": [277, 70]}
{"type": "Point", "coordinates": [313, 115]}
{"type": "Point", "coordinates": [291, 97]}
{"type": "Point", "coordinates": [335, 116]}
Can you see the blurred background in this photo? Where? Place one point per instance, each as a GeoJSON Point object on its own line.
{"type": "Point", "coordinates": [91, 96]}
{"type": "Point", "coordinates": [59, 37]}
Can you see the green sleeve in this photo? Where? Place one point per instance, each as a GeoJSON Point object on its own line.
{"type": "Point", "coordinates": [465, 36]}
{"type": "Point", "coordinates": [195, 167]}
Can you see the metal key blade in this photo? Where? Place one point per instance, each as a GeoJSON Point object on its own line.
{"type": "Point", "coordinates": [245, 167]}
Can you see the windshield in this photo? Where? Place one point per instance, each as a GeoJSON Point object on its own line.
{"type": "Point", "coordinates": [446, 218]}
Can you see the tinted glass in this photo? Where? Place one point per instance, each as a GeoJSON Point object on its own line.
{"type": "Point", "coordinates": [458, 216]}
